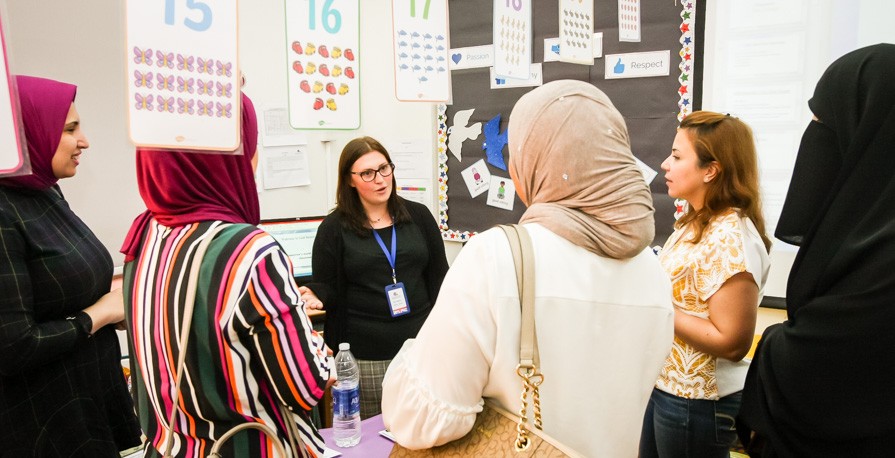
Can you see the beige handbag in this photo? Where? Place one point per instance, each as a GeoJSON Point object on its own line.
{"type": "Point", "coordinates": [295, 442]}
{"type": "Point", "coordinates": [497, 432]}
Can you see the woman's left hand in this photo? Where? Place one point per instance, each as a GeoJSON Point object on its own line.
{"type": "Point", "coordinates": [310, 299]}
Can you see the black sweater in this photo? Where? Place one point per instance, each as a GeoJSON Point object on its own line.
{"type": "Point", "coordinates": [351, 273]}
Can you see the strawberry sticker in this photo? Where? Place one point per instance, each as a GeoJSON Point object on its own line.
{"type": "Point", "coordinates": [297, 67]}
{"type": "Point", "coordinates": [331, 88]}
{"type": "Point", "coordinates": [349, 72]}
{"type": "Point", "coordinates": [304, 86]}
{"type": "Point", "coordinates": [296, 46]}
{"type": "Point", "coordinates": [349, 55]}
{"type": "Point", "coordinates": [318, 103]}
{"type": "Point", "coordinates": [323, 51]}
{"type": "Point", "coordinates": [323, 69]}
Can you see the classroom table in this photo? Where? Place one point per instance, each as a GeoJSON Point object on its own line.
{"type": "Point", "coordinates": [372, 444]}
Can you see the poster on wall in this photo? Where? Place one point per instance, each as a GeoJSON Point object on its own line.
{"type": "Point", "coordinates": [323, 58]}
{"type": "Point", "coordinates": [421, 46]}
{"type": "Point", "coordinates": [576, 32]}
{"type": "Point", "coordinates": [629, 20]}
{"type": "Point", "coordinates": [512, 38]}
{"type": "Point", "coordinates": [473, 191]}
{"type": "Point", "coordinates": [12, 154]}
{"type": "Point", "coordinates": [183, 74]}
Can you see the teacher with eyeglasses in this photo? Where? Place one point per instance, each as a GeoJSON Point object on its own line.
{"type": "Point", "coordinates": [378, 263]}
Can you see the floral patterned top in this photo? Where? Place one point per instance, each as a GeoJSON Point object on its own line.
{"type": "Point", "coordinates": [730, 244]}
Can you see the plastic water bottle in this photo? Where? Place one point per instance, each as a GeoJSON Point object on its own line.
{"type": "Point", "coordinates": [346, 399]}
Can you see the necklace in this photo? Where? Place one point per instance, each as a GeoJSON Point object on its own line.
{"type": "Point", "coordinates": [374, 221]}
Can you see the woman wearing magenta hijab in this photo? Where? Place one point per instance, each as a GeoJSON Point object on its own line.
{"type": "Point", "coordinates": [252, 346]}
{"type": "Point", "coordinates": [62, 392]}
{"type": "Point", "coordinates": [821, 383]}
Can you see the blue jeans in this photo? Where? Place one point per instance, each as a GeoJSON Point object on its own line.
{"type": "Point", "coordinates": [676, 427]}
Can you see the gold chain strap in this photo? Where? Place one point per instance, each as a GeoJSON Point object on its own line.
{"type": "Point", "coordinates": [531, 381]}
{"type": "Point", "coordinates": [520, 246]}
{"type": "Point", "coordinates": [536, 381]}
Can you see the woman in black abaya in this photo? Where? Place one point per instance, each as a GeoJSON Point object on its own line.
{"type": "Point", "coordinates": [823, 382]}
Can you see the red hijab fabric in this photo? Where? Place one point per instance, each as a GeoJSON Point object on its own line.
{"type": "Point", "coordinates": [45, 104]}
{"type": "Point", "coordinates": [182, 187]}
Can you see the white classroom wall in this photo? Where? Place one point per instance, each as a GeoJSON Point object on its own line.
{"type": "Point", "coordinates": [83, 43]}
{"type": "Point", "coordinates": [830, 29]}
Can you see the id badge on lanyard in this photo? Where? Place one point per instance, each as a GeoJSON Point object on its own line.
{"type": "Point", "coordinates": [394, 293]}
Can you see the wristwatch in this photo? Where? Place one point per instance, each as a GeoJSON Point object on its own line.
{"type": "Point", "coordinates": [83, 320]}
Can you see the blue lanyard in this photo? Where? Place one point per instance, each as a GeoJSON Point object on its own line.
{"type": "Point", "coordinates": [390, 256]}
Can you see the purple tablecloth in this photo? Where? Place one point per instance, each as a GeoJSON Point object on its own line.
{"type": "Point", "coordinates": [372, 444]}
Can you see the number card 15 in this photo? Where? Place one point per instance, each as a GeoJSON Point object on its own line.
{"type": "Point", "coordinates": [182, 74]}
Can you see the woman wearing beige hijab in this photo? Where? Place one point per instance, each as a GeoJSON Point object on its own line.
{"type": "Point", "coordinates": [602, 309]}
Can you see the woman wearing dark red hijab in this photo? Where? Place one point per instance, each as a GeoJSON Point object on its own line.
{"type": "Point", "coordinates": [252, 346]}
{"type": "Point", "coordinates": [62, 392]}
{"type": "Point", "coordinates": [823, 382]}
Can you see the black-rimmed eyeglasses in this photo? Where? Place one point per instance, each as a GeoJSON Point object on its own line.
{"type": "Point", "coordinates": [369, 175]}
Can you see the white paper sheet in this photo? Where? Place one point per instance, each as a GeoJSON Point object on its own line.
{"type": "Point", "coordinates": [285, 166]}
{"type": "Point", "coordinates": [411, 158]}
{"type": "Point", "coordinates": [274, 128]}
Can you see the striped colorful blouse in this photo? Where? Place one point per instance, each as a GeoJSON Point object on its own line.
{"type": "Point", "coordinates": [251, 342]}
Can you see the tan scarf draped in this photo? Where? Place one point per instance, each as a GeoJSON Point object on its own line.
{"type": "Point", "coordinates": [570, 153]}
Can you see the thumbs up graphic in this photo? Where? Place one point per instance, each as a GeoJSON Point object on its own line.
{"type": "Point", "coordinates": [619, 67]}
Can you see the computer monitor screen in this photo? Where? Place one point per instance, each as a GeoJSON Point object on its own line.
{"type": "Point", "coordinates": [296, 236]}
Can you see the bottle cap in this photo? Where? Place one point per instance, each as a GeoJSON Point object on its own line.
{"type": "Point", "coordinates": [344, 346]}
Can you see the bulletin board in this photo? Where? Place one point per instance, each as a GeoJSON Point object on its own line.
{"type": "Point", "coordinates": [651, 106]}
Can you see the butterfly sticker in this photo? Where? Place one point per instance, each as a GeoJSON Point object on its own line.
{"type": "Point", "coordinates": [143, 79]}
{"type": "Point", "coordinates": [205, 87]}
{"type": "Point", "coordinates": [460, 132]}
{"type": "Point", "coordinates": [165, 104]}
{"type": "Point", "coordinates": [185, 85]}
{"type": "Point", "coordinates": [494, 143]}
{"type": "Point", "coordinates": [205, 66]}
{"type": "Point", "coordinates": [223, 110]}
{"type": "Point", "coordinates": [164, 60]}
{"type": "Point", "coordinates": [224, 90]}
{"type": "Point", "coordinates": [165, 83]}
{"type": "Point", "coordinates": [185, 106]}
{"type": "Point", "coordinates": [223, 69]}
{"type": "Point", "coordinates": [143, 103]}
{"type": "Point", "coordinates": [204, 109]}
{"type": "Point", "coordinates": [185, 63]}
{"type": "Point", "coordinates": [142, 56]}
